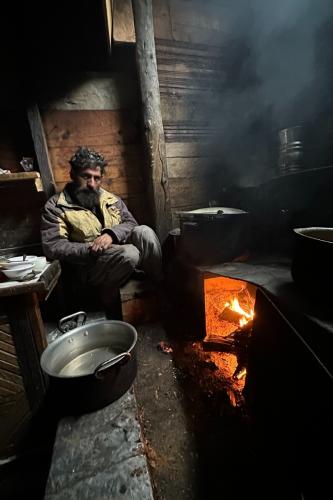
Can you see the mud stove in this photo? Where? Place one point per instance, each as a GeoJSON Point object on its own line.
{"type": "Point", "coordinates": [276, 346]}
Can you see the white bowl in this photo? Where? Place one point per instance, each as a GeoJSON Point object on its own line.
{"type": "Point", "coordinates": [18, 272]}
{"type": "Point", "coordinates": [14, 262]}
{"type": "Point", "coordinates": [19, 258]}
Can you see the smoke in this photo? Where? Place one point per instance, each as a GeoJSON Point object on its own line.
{"type": "Point", "coordinates": [285, 41]}
{"type": "Point", "coordinates": [283, 76]}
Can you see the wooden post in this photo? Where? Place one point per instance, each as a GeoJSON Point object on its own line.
{"type": "Point", "coordinates": [158, 182]}
{"type": "Point", "coordinates": [44, 163]}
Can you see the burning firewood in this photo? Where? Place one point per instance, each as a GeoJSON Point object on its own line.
{"type": "Point", "coordinates": [239, 314]}
{"type": "Point", "coordinates": [237, 340]}
{"type": "Point", "coordinates": [246, 329]}
{"type": "Point", "coordinates": [230, 315]}
{"type": "Point", "coordinates": [240, 372]}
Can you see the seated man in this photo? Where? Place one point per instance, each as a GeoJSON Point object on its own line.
{"type": "Point", "coordinates": [92, 229]}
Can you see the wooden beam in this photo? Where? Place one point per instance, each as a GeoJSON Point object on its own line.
{"type": "Point", "coordinates": [42, 154]}
{"type": "Point", "coordinates": [158, 183]}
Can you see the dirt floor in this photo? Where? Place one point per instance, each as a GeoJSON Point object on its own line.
{"type": "Point", "coordinates": [197, 437]}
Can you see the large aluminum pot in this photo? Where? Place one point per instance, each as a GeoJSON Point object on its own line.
{"type": "Point", "coordinates": [312, 263]}
{"type": "Point", "coordinates": [91, 365]}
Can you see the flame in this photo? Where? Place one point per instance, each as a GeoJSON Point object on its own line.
{"type": "Point", "coordinates": [234, 305]}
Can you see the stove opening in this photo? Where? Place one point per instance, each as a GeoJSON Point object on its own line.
{"type": "Point", "coordinates": [229, 311]}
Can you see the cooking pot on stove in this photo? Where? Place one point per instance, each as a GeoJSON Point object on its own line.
{"type": "Point", "coordinates": [312, 262]}
{"type": "Point", "coordinates": [91, 365]}
{"type": "Point", "coordinates": [214, 234]}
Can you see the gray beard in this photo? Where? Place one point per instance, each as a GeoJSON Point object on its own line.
{"type": "Point", "coordinates": [87, 198]}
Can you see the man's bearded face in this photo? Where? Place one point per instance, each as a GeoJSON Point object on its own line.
{"type": "Point", "coordinates": [86, 188]}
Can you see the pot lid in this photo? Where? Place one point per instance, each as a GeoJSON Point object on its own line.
{"type": "Point", "coordinates": [213, 211]}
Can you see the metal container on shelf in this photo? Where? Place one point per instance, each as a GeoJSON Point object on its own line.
{"type": "Point", "coordinates": [291, 150]}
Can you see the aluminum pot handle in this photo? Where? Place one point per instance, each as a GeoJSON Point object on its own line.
{"type": "Point", "coordinates": [71, 316]}
{"type": "Point", "coordinates": [126, 356]}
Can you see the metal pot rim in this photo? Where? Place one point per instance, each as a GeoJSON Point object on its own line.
{"type": "Point", "coordinates": [308, 232]}
{"type": "Point", "coordinates": [211, 211]}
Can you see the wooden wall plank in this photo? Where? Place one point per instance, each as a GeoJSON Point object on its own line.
{"type": "Point", "coordinates": [8, 365]}
{"type": "Point", "coordinates": [162, 20]}
{"type": "Point", "coordinates": [188, 149]}
{"type": "Point", "coordinates": [195, 168]}
{"type": "Point", "coordinates": [123, 24]}
{"type": "Point", "coordinates": [198, 15]}
{"type": "Point", "coordinates": [11, 377]}
{"type": "Point", "coordinates": [5, 334]}
{"type": "Point", "coordinates": [9, 384]}
{"type": "Point", "coordinates": [198, 110]}
{"type": "Point", "coordinates": [182, 191]}
{"type": "Point", "coordinates": [73, 128]}
{"type": "Point", "coordinates": [9, 359]}
{"type": "Point", "coordinates": [6, 347]}
{"type": "Point", "coordinates": [201, 22]}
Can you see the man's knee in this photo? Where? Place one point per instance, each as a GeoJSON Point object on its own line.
{"type": "Point", "coordinates": [143, 232]}
{"type": "Point", "coordinates": [130, 255]}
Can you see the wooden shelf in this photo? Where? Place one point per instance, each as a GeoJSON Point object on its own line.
{"type": "Point", "coordinates": [22, 177]}
{"type": "Point", "coordinates": [19, 176]}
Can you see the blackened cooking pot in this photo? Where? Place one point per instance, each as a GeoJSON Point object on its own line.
{"type": "Point", "coordinates": [214, 234]}
{"type": "Point", "coordinates": [312, 262]}
{"type": "Point", "coordinates": [91, 365]}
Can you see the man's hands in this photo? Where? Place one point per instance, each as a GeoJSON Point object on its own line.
{"type": "Point", "coordinates": [101, 243]}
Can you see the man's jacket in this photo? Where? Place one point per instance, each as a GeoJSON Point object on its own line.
{"type": "Point", "coordinates": [68, 229]}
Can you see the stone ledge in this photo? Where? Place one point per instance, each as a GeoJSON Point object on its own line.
{"type": "Point", "coordinates": [100, 455]}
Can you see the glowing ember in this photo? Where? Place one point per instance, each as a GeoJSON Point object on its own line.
{"type": "Point", "coordinates": [245, 316]}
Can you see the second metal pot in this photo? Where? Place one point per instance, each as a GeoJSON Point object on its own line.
{"type": "Point", "coordinates": [213, 235]}
{"type": "Point", "coordinates": [312, 263]}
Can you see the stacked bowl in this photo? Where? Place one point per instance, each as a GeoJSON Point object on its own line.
{"type": "Point", "coordinates": [16, 268]}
